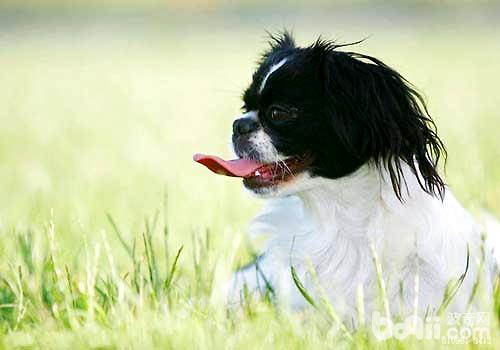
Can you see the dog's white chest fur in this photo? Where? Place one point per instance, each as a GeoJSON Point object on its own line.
{"type": "Point", "coordinates": [332, 227]}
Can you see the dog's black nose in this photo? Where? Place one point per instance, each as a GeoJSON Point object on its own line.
{"type": "Point", "coordinates": [244, 126]}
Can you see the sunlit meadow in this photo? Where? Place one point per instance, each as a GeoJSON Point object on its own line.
{"type": "Point", "coordinates": [112, 238]}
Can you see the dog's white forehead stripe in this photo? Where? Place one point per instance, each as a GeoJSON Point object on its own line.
{"type": "Point", "coordinates": [273, 69]}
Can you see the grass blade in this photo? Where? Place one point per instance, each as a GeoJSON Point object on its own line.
{"type": "Point", "coordinates": [170, 276]}
{"type": "Point", "coordinates": [119, 235]}
{"type": "Point", "coordinates": [301, 287]}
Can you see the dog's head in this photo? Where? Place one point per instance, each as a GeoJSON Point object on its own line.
{"type": "Point", "coordinates": [319, 112]}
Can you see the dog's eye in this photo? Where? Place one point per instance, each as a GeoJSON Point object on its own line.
{"type": "Point", "coordinates": [280, 114]}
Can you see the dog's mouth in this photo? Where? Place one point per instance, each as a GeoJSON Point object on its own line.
{"type": "Point", "coordinates": [256, 174]}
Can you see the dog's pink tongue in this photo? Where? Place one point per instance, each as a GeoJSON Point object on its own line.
{"type": "Point", "coordinates": [236, 167]}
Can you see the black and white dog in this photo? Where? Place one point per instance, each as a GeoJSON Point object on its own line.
{"type": "Point", "coordinates": [347, 154]}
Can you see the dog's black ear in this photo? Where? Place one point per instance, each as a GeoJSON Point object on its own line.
{"type": "Point", "coordinates": [378, 115]}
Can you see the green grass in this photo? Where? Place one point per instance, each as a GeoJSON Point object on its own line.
{"type": "Point", "coordinates": [111, 237]}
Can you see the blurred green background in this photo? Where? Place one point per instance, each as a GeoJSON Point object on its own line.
{"type": "Point", "coordinates": [104, 102]}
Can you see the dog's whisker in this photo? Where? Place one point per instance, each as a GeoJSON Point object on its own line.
{"type": "Point", "coordinates": [285, 166]}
